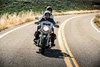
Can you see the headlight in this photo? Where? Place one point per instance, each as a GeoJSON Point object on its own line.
{"type": "Point", "coordinates": [46, 28]}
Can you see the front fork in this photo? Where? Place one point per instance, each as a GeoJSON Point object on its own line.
{"type": "Point", "coordinates": [47, 38]}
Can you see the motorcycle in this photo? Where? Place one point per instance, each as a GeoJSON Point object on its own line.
{"type": "Point", "coordinates": [45, 30]}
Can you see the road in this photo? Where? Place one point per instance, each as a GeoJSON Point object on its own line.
{"type": "Point", "coordinates": [18, 50]}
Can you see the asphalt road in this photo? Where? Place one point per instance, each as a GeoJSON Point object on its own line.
{"type": "Point", "coordinates": [18, 50]}
{"type": "Point", "coordinates": [83, 40]}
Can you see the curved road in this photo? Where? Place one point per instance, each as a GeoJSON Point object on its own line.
{"type": "Point", "coordinates": [83, 40]}
{"type": "Point", "coordinates": [18, 50]}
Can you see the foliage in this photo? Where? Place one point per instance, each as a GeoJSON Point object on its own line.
{"type": "Point", "coordinates": [97, 20]}
{"type": "Point", "coordinates": [11, 6]}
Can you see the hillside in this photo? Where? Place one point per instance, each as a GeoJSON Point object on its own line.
{"type": "Point", "coordinates": [16, 12]}
{"type": "Point", "coordinates": [11, 6]}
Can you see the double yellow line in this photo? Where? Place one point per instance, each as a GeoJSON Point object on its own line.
{"type": "Point", "coordinates": [68, 56]}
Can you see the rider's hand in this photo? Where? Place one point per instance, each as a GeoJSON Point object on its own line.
{"type": "Point", "coordinates": [56, 26]}
{"type": "Point", "coordinates": [36, 22]}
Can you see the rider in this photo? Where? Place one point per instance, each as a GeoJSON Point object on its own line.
{"type": "Point", "coordinates": [46, 17]}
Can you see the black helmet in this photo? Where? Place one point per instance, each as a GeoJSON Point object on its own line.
{"type": "Point", "coordinates": [49, 8]}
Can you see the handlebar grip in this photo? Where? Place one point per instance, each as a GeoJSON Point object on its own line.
{"type": "Point", "coordinates": [57, 26]}
{"type": "Point", "coordinates": [36, 22]}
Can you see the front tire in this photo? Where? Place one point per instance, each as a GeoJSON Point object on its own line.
{"type": "Point", "coordinates": [43, 45]}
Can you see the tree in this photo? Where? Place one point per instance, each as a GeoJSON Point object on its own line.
{"type": "Point", "coordinates": [1, 2]}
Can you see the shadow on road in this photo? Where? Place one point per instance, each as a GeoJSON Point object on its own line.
{"type": "Point", "coordinates": [55, 53]}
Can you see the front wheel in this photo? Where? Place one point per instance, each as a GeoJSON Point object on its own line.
{"type": "Point", "coordinates": [43, 45]}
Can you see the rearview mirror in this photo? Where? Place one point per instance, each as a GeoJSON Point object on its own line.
{"type": "Point", "coordinates": [36, 18]}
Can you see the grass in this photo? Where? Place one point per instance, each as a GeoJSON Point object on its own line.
{"type": "Point", "coordinates": [8, 20]}
{"type": "Point", "coordinates": [16, 12]}
{"type": "Point", "coordinates": [2, 27]}
{"type": "Point", "coordinates": [97, 20]}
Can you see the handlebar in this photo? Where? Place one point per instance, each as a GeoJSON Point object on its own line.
{"type": "Point", "coordinates": [36, 22]}
{"type": "Point", "coordinates": [57, 26]}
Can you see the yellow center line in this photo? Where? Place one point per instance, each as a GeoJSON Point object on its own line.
{"type": "Point", "coordinates": [65, 41]}
{"type": "Point", "coordinates": [66, 58]}
{"type": "Point", "coordinates": [63, 46]}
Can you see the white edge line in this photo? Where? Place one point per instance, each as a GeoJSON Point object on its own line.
{"type": "Point", "coordinates": [14, 29]}
{"type": "Point", "coordinates": [92, 23]}
{"type": "Point", "coordinates": [31, 23]}
{"type": "Point", "coordinates": [66, 21]}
